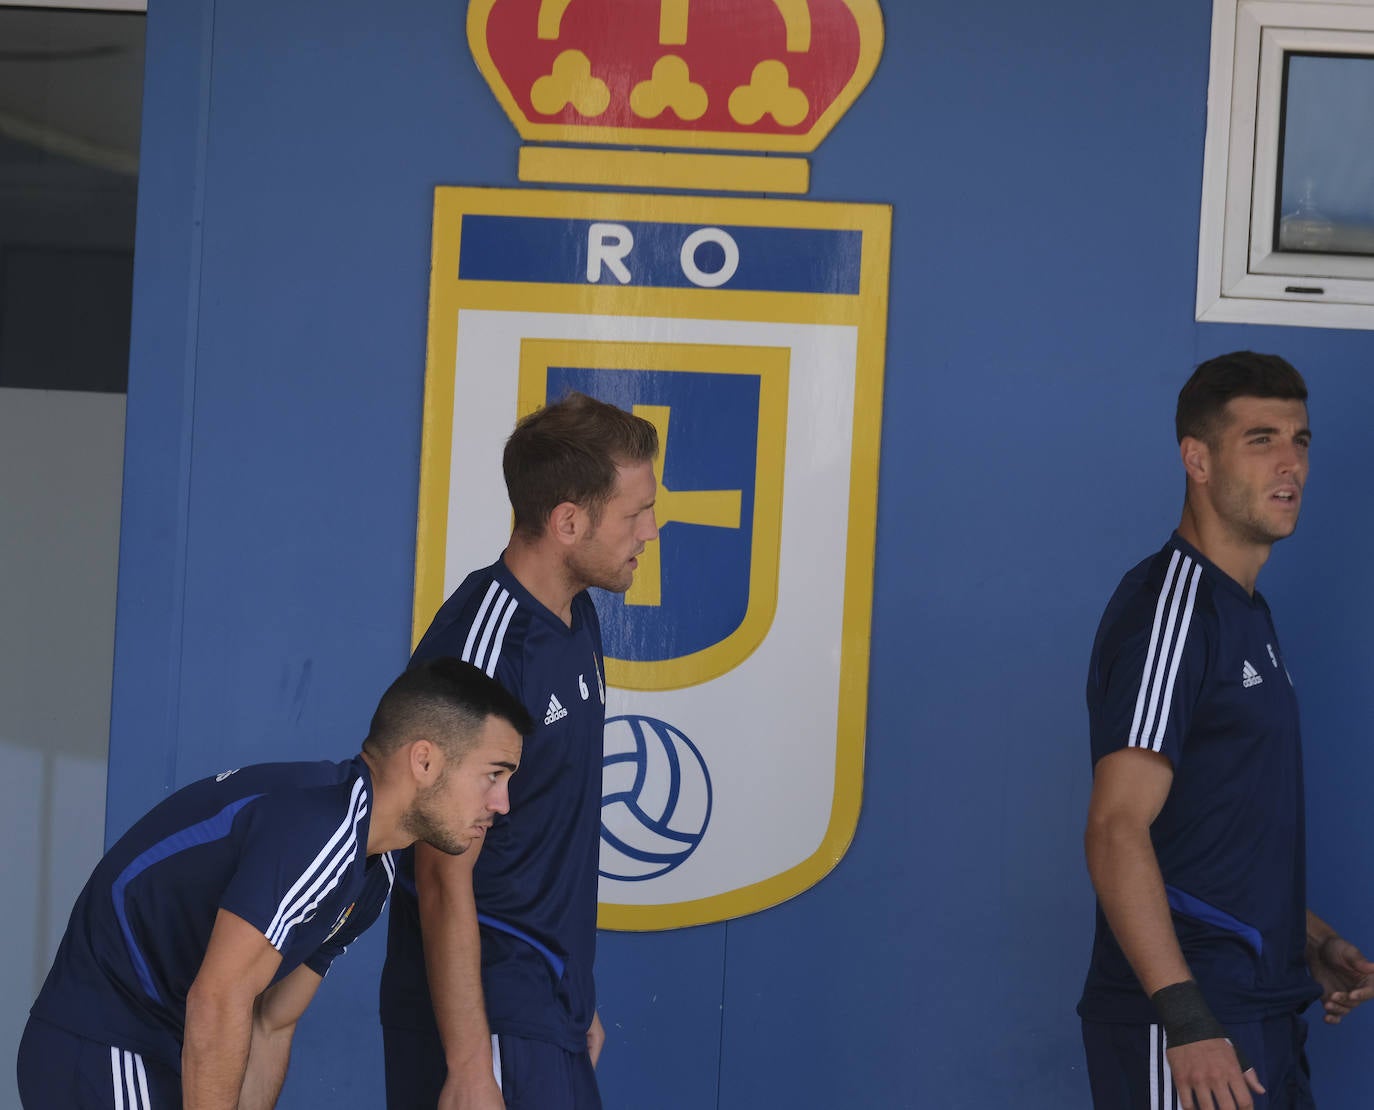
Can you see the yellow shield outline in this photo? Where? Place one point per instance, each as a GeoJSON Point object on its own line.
{"type": "Point", "coordinates": [769, 365]}
{"type": "Point", "coordinates": [866, 312]}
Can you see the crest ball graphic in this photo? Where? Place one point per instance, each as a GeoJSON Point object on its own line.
{"type": "Point", "coordinates": [655, 798]}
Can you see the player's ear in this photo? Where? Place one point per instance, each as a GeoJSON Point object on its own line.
{"type": "Point", "coordinates": [567, 522]}
{"type": "Point", "coordinates": [424, 762]}
{"type": "Point", "coordinates": [1197, 458]}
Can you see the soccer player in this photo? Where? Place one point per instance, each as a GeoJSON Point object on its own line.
{"type": "Point", "coordinates": [516, 924]}
{"type": "Point", "coordinates": [203, 934]}
{"type": "Point", "coordinates": [1205, 952]}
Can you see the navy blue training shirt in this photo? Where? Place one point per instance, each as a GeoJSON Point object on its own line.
{"type": "Point", "coordinates": [281, 845]}
{"type": "Point", "coordinates": [536, 878]}
{"type": "Point", "coordinates": [1187, 664]}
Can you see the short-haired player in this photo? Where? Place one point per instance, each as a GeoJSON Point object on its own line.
{"type": "Point", "coordinates": [1205, 952]}
{"type": "Point", "coordinates": [203, 934]}
{"type": "Point", "coordinates": [488, 999]}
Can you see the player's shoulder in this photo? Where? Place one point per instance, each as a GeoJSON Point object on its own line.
{"type": "Point", "coordinates": [1170, 588]}
{"type": "Point", "coordinates": [263, 778]}
{"type": "Point", "coordinates": [230, 802]}
{"type": "Point", "coordinates": [482, 622]}
{"type": "Point", "coordinates": [297, 794]}
{"type": "Point", "coordinates": [461, 606]}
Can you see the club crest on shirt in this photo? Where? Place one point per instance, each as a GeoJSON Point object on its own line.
{"type": "Point", "coordinates": [340, 923]}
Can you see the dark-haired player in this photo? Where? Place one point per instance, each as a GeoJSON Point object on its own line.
{"type": "Point", "coordinates": [202, 935]}
{"type": "Point", "coordinates": [1206, 953]}
{"type": "Point", "coordinates": [517, 922]}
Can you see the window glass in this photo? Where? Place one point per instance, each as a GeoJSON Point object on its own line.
{"type": "Point", "coordinates": [71, 86]}
{"type": "Point", "coordinates": [1326, 168]}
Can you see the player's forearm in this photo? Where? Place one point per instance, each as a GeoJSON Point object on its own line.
{"type": "Point", "coordinates": [453, 961]}
{"type": "Point", "coordinates": [1318, 931]}
{"type": "Point", "coordinates": [1318, 934]}
{"type": "Point", "coordinates": [1125, 873]}
{"type": "Point", "coordinates": [214, 1052]}
{"type": "Point", "coordinates": [268, 1057]}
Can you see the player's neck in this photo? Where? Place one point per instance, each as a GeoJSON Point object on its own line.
{"type": "Point", "coordinates": [539, 567]}
{"type": "Point", "coordinates": [1238, 558]}
{"type": "Point", "coordinates": [384, 833]}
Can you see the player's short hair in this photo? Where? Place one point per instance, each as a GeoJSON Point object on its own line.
{"type": "Point", "coordinates": [1203, 398]}
{"type": "Point", "coordinates": [445, 701]}
{"type": "Point", "coordinates": [569, 451]}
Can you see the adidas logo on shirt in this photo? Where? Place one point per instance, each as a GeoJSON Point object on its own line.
{"type": "Point", "coordinates": [557, 712]}
{"type": "Point", "coordinates": [1249, 676]}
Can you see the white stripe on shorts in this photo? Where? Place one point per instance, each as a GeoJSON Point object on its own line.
{"type": "Point", "coordinates": [130, 1081]}
{"type": "Point", "coordinates": [1163, 1095]}
{"type": "Point", "coordinates": [496, 1058]}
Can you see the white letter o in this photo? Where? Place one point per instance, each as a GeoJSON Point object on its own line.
{"type": "Point", "coordinates": [694, 273]}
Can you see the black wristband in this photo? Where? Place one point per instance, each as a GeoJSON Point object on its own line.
{"type": "Point", "coordinates": [1186, 1018]}
{"type": "Point", "coordinates": [1185, 1015]}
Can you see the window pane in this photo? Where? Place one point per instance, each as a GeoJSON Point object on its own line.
{"type": "Point", "coordinates": [1327, 168]}
{"type": "Point", "coordinates": [71, 86]}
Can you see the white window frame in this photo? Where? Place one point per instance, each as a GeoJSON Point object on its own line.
{"type": "Point", "coordinates": [1241, 278]}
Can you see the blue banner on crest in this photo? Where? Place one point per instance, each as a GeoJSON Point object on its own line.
{"type": "Point", "coordinates": [554, 251]}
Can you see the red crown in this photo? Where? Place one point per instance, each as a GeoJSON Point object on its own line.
{"type": "Point", "coordinates": [770, 75]}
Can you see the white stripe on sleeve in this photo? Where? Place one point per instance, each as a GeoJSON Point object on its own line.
{"type": "Point", "coordinates": [328, 880]}
{"type": "Point", "coordinates": [1173, 616]}
{"type": "Point", "coordinates": [1158, 741]}
{"type": "Point", "coordinates": [477, 624]}
{"type": "Point", "coordinates": [324, 870]}
{"type": "Point", "coordinates": [489, 630]}
{"type": "Point", "coordinates": [500, 638]}
{"type": "Point", "coordinates": [1154, 647]}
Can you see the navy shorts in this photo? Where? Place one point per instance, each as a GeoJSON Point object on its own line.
{"type": "Point", "coordinates": [533, 1075]}
{"type": "Point", "coordinates": [1128, 1068]}
{"type": "Point", "coordinates": [415, 1069]}
{"type": "Point", "coordinates": [536, 1075]}
{"type": "Point", "coordinates": [61, 1071]}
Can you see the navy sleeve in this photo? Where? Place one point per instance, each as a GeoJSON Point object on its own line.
{"type": "Point", "coordinates": [480, 632]}
{"type": "Point", "coordinates": [357, 919]}
{"type": "Point", "coordinates": [1151, 667]}
{"type": "Point", "coordinates": [295, 848]}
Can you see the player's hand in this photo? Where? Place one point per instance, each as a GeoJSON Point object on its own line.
{"type": "Point", "coordinates": [1345, 976]}
{"type": "Point", "coordinates": [596, 1038]}
{"type": "Point", "coordinates": [472, 1092]}
{"type": "Point", "coordinates": [1207, 1074]}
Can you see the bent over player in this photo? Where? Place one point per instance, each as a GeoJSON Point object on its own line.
{"type": "Point", "coordinates": [1205, 952]}
{"type": "Point", "coordinates": [202, 935]}
{"type": "Point", "coordinates": [581, 481]}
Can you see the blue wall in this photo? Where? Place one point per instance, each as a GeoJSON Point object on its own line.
{"type": "Point", "coordinates": [1045, 164]}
